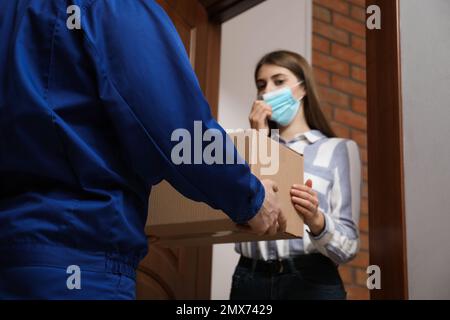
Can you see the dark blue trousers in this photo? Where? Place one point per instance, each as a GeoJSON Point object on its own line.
{"type": "Point", "coordinates": [47, 272]}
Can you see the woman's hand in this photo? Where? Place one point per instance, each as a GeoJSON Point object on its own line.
{"type": "Point", "coordinates": [260, 114]}
{"type": "Point", "coordinates": [306, 202]}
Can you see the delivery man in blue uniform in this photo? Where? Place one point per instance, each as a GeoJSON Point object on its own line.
{"type": "Point", "coordinates": [86, 118]}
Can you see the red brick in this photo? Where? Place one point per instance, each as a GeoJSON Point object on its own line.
{"type": "Point", "coordinates": [359, 74]}
{"type": "Point", "coordinates": [365, 175]}
{"type": "Point", "coordinates": [334, 97]}
{"type": "Point", "coordinates": [321, 13]}
{"type": "Point", "coordinates": [359, 137]}
{"type": "Point", "coordinates": [363, 153]}
{"type": "Point", "coordinates": [321, 44]}
{"type": "Point", "coordinates": [331, 64]}
{"type": "Point", "coordinates": [361, 3]}
{"type": "Point", "coordinates": [348, 54]}
{"type": "Point", "coordinates": [361, 277]}
{"type": "Point", "coordinates": [339, 48]}
{"type": "Point", "coordinates": [364, 241]}
{"type": "Point", "coordinates": [350, 119]}
{"type": "Point", "coordinates": [365, 190]}
{"type": "Point", "coordinates": [322, 77]}
{"type": "Point", "coordinates": [357, 293]}
{"type": "Point", "coordinates": [331, 32]}
{"type": "Point", "coordinates": [364, 209]}
{"type": "Point", "coordinates": [334, 5]}
{"type": "Point", "coordinates": [359, 105]}
{"type": "Point", "coordinates": [358, 13]}
{"type": "Point", "coordinates": [364, 222]}
{"type": "Point", "coordinates": [350, 25]}
{"type": "Point", "coordinates": [358, 43]}
{"type": "Point", "coordinates": [361, 260]}
{"type": "Point", "coordinates": [346, 274]}
{"type": "Point", "coordinates": [348, 86]}
{"type": "Point", "coordinates": [340, 130]}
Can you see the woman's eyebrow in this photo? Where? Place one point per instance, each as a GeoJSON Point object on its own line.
{"type": "Point", "coordinates": [278, 75]}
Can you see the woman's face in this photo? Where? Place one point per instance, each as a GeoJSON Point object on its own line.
{"type": "Point", "coordinates": [272, 77]}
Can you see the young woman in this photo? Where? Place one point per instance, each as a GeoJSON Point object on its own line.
{"type": "Point", "coordinates": [328, 202]}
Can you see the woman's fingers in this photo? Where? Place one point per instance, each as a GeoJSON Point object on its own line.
{"type": "Point", "coordinates": [263, 112]}
{"type": "Point", "coordinates": [305, 204]}
{"type": "Point", "coordinates": [251, 116]}
{"type": "Point", "coordinates": [305, 200]}
{"type": "Point", "coordinates": [256, 106]}
{"type": "Point", "coordinates": [304, 188]}
{"type": "Point", "coordinates": [301, 187]}
{"type": "Point", "coordinates": [259, 115]}
{"type": "Point", "coordinates": [306, 196]}
{"type": "Point", "coordinates": [307, 215]}
{"type": "Point", "coordinates": [254, 112]}
{"type": "Point", "coordinates": [267, 114]}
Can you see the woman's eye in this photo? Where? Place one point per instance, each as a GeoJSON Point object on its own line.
{"type": "Point", "coordinates": [279, 82]}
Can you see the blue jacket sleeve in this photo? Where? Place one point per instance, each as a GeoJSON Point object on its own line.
{"type": "Point", "coordinates": [150, 90]}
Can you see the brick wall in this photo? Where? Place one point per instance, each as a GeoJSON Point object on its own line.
{"type": "Point", "coordinates": [339, 63]}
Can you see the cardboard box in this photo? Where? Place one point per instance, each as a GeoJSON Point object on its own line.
{"type": "Point", "coordinates": [175, 220]}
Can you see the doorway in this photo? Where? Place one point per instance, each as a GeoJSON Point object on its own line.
{"type": "Point", "coordinates": [185, 273]}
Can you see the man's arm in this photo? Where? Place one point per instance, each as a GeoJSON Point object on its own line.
{"type": "Point", "coordinates": [150, 90]}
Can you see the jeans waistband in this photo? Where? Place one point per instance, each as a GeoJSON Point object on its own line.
{"type": "Point", "coordinates": [293, 264]}
{"type": "Point", "coordinates": [31, 254]}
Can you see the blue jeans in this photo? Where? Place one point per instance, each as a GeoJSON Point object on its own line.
{"type": "Point", "coordinates": [309, 277]}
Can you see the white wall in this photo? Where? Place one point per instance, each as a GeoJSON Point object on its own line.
{"type": "Point", "coordinates": [425, 47]}
{"type": "Point", "coordinates": [272, 25]}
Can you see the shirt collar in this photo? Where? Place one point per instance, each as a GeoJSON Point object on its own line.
{"type": "Point", "coordinates": [312, 136]}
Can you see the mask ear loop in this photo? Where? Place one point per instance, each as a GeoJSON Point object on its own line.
{"type": "Point", "coordinates": [300, 82]}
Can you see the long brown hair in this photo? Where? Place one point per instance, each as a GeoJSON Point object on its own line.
{"type": "Point", "coordinates": [301, 69]}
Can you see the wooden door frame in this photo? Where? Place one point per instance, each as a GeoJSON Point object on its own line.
{"type": "Point", "coordinates": [387, 230]}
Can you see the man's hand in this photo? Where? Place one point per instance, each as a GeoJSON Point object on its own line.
{"type": "Point", "coordinates": [269, 220]}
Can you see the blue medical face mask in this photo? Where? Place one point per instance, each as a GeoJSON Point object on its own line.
{"type": "Point", "coordinates": [284, 105]}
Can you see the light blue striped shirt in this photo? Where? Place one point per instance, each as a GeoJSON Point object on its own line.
{"type": "Point", "coordinates": [334, 166]}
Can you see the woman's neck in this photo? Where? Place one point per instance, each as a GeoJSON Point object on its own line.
{"type": "Point", "coordinates": [297, 126]}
